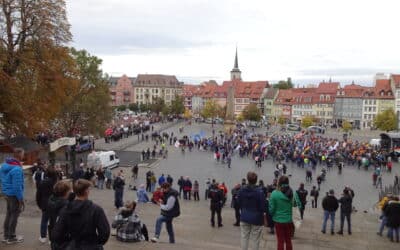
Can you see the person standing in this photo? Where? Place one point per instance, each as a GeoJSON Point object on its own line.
{"type": "Point", "coordinates": [82, 224]}
{"type": "Point", "coordinates": [345, 210]}
{"type": "Point", "coordinates": [187, 188]}
{"type": "Point", "coordinates": [12, 179]}
{"type": "Point", "coordinates": [180, 185]}
{"type": "Point", "coordinates": [100, 177]}
{"type": "Point", "coordinates": [216, 199]}
{"type": "Point", "coordinates": [196, 191]}
{"type": "Point", "coordinates": [235, 204]}
{"type": "Point", "coordinates": [251, 201]}
{"type": "Point", "coordinates": [135, 171]}
{"type": "Point", "coordinates": [170, 180]}
{"type": "Point", "coordinates": [108, 175]}
{"type": "Point", "coordinates": [43, 193]}
{"type": "Point", "coordinates": [281, 209]}
{"type": "Point", "coordinates": [161, 180]}
{"type": "Point", "coordinates": [208, 185]}
{"type": "Point", "coordinates": [59, 199]}
{"type": "Point", "coordinates": [170, 209]}
{"type": "Point", "coordinates": [118, 187]}
{"type": "Point", "coordinates": [330, 204]}
{"type": "Point", "coordinates": [314, 194]}
{"type": "Point", "coordinates": [392, 211]}
{"type": "Point", "coordinates": [302, 193]}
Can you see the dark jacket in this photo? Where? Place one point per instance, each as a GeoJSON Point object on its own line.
{"type": "Point", "coordinates": [302, 193]}
{"type": "Point", "coordinates": [251, 201]}
{"type": "Point", "coordinates": [392, 211]}
{"type": "Point", "coordinates": [330, 203]}
{"type": "Point", "coordinates": [43, 193]}
{"type": "Point", "coordinates": [175, 211]}
{"type": "Point", "coordinates": [216, 198]}
{"type": "Point", "coordinates": [54, 206]}
{"type": "Point", "coordinates": [84, 222]}
{"type": "Point", "coordinates": [346, 204]}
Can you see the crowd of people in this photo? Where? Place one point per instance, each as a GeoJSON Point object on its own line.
{"type": "Point", "coordinates": [70, 219]}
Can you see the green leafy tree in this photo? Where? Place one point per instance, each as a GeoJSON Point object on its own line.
{"type": "Point", "coordinates": [284, 84]}
{"type": "Point", "coordinates": [251, 112]}
{"type": "Point", "coordinates": [210, 109]}
{"type": "Point", "coordinates": [133, 107]}
{"type": "Point", "coordinates": [346, 126]}
{"type": "Point", "coordinates": [121, 108]}
{"type": "Point", "coordinates": [89, 110]}
{"type": "Point", "coordinates": [166, 110]}
{"type": "Point", "coordinates": [177, 106]}
{"type": "Point", "coordinates": [157, 105]}
{"type": "Point", "coordinates": [307, 121]}
{"type": "Point", "coordinates": [386, 120]}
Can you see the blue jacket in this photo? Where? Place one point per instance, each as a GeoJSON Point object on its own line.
{"type": "Point", "coordinates": [251, 201]}
{"type": "Point", "coordinates": [12, 178]}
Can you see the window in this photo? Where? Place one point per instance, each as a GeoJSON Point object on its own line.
{"type": "Point", "coordinates": [365, 116]}
{"type": "Point", "coordinates": [374, 109]}
{"type": "Point", "coordinates": [111, 157]}
{"type": "Point", "coordinates": [238, 100]}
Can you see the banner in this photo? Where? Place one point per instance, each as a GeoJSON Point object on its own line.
{"type": "Point", "coordinates": [65, 141]}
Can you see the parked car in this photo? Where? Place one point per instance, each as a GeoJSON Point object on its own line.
{"type": "Point", "coordinates": [293, 127]}
{"type": "Point", "coordinates": [83, 144]}
{"type": "Point", "coordinates": [208, 120]}
{"type": "Point", "coordinates": [254, 124]}
{"type": "Point", "coordinates": [316, 129]}
{"type": "Point", "coordinates": [219, 120]}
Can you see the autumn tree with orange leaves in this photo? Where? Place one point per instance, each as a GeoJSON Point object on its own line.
{"type": "Point", "coordinates": [37, 72]}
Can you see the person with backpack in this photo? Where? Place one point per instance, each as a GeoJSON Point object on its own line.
{"type": "Point", "coordinates": [81, 224]}
{"type": "Point", "coordinates": [118, 187]}
{"type": "Point", "coordinates": [43, 193]}
{"type": "Point", "coordinates": [302, 193]}
{"type": "Point", "coordinates": [62, 194]}
{"type": "Point", "coordinates": [170, 209]}
{"type": "Point", "coordinates": [128, 225]}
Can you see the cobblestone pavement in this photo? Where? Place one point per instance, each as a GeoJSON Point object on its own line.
{"type": "Point", "coordinates": [192, 228]}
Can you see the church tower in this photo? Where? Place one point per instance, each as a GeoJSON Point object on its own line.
{"type": "Point", "coordinates": [236, 74]}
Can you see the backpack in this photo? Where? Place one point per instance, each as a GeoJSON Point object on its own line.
{"type": "Point", "coordinates": [38, 176]}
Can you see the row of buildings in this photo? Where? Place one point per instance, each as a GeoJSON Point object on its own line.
{"type": "Point", "coordinates": [329, 102]}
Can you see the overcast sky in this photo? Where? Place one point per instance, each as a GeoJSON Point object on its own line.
{"type": "Point", "coordinates": [308, 40]}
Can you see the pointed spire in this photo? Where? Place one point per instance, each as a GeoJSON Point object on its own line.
{"type": "Point", "coordinates": [236, 66]}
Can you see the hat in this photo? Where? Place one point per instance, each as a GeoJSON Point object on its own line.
{"type": "Point", "coordinates": [331, 191]}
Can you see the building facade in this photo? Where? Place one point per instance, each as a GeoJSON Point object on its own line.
{"type": "Point", "coordinates": [122, 90]}
{"type": "Point", "coordinates": [349, 105]}
{"type": "Point", "coordinates": [148, 87]}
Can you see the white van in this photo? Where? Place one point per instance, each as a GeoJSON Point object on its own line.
{"type": "Point", "coordinates": [375, 142]}
{"type": "Point", "coordinates": [106, 159]}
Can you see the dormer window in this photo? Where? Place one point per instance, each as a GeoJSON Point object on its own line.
{"type": "Point", "coordinates": [389, 93]}
{"type": "Point", "coordinates": [321, 97]}
{"type": "Point", "coordinates": [382, 93]}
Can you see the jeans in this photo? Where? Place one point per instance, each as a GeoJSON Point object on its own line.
{"type": "Point", "coordinates": [348, 218]}
{"type": "Point", "coordinates": [10, 222]}
{"type": "Point", "coordinates": [168, 224]}
{"type": "Point", "coordinates": [252, 233]}
{"type": "Point", "coordinates": [118, 194]}
{"type": "Point", "coordinates": [217, 210]}
{"type": "Point", "coordinates": [283, 235]}
{"type": "Point", "coordinates": [383, 224]}
{"type": "Point", "coordinates": [395, 231]}
{"type": "Point", "coordinates": [328, 215]}
{"type": "Point", "coordinates": [43, 224]}
{"type": "Point", "coordinates": [100, 183]}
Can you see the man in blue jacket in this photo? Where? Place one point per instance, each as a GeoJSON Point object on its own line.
{"type": "Point", "coordinates": [12, 178]}
{"type": "Point", "coordinates": [251, 200]}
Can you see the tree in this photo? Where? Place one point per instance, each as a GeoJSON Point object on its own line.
{"type": "Point", "coordinates": [133, 107]}
{"type": "Point", "coordinates": [386, 120]}
{"type": "Point", "coordinates": [281, 120]}
{"type": "Point", "coordinates": [210, 109]}
{"type": "Point", "coordinates": [188, 114]}
{"type": "Point", "coordinates": [36, 71]}
{"type": "Point", "coordinates": [222, 112]}
{"type": "Point", "coordinates": [166, 110]}
{"type": "Point", "coordinates": [177, 106]}
{"type": "Point", "coordinates": [284, 84]}
{"type": "Point", "coordinates": [251, 112]}
{"type": "Point", "coordinates": [346, 126]}
{"type": "Point", "coordinates": [157, 105]}
{"type": "Point", "coordinates": [307, 121]}
{"type": "Point", "coordinates": [89, 110]}
{"type": "Point", "coordinates": [121, 108]}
